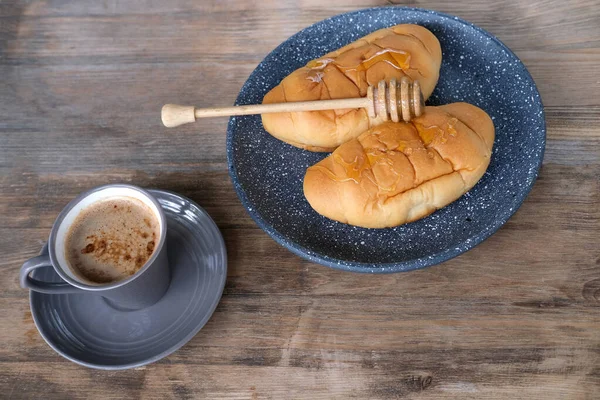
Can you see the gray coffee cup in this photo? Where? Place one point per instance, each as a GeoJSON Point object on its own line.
{"type": "Point", "coordinates": [140, 290]}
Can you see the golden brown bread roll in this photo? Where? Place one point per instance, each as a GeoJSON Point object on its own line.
{"type": "Point", "coordinates": [399, 172]}
{"type": "Point", "coordinates": [402, 50]}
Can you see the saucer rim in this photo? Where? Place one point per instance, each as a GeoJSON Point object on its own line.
{"type": "Point", "coordinates": [157, 193]}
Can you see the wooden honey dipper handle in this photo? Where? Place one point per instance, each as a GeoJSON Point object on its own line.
{"type": "Point", "coordinates": [393, 101]}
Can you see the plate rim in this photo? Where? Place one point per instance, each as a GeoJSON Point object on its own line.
{"type": "Point", "coordinates": [170, 350]}
{"type": "Point", "coordinates": [391, 267]}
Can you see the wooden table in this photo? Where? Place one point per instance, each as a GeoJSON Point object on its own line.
{"type": "Point", "coordinates": [81, 86]}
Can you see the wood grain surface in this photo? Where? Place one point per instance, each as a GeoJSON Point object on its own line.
{"type": "Point", "coordinates": [518, 317]}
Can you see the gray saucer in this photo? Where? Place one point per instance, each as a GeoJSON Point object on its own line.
{"type": "Point", "coordinates": [86, 330]}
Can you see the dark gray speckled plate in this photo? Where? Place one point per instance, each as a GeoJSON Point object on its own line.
{"type": "Point", "coordinates": [476, 68]}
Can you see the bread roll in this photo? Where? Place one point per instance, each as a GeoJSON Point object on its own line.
{"type": "Point", "coordinates": [399, 172]}
{"type": "Point", "coordinates": [402, 50]}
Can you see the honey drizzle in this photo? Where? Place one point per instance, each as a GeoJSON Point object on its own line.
{"type": "Point", "coordinates": [354, 170]}
{"type": "Point", "coordinates": [398, 59]}
{"type": "Point", "coordinates": [430, 133]}
{"type": "Point", "coordinates": [379, 157]}
{"type": "Point", "coordinates": [319, 64]}
{"type": "Point", "coordinates": [330, 174]}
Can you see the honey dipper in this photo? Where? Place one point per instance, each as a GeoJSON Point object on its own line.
{"type": "Point", "coordinates": [389, 101]}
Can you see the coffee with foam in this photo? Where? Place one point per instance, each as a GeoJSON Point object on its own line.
{"type": "Point", "coordinates": [110, 240]}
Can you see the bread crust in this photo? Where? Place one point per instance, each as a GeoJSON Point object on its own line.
{"type": "Point", "coordinates": [396, 173]}
{"type": "Point", "coordinates": [401, 50]}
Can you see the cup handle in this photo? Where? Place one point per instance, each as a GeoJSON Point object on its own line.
{"type": "Point", "coordinates": [27, 282]}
